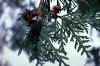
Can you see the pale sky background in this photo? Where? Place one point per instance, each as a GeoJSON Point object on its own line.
{"type": "Point", "coordinates": [75, 59]}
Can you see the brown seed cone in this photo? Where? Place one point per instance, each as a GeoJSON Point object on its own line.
{"type": "Point", "coordinates": [57, 8]}
{"type": "Point", "coordinates": [53, 14]}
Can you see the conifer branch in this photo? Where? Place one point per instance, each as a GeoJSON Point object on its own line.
{"type": "Point", "coordinates": [43, 32]}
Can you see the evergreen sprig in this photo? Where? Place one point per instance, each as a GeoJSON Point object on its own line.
{"type": "Point", "coordinates": [42, 36]}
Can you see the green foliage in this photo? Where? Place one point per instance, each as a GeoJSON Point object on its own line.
{"type": "Point", "coordinates": [40, 39]}
{"type": "Point", "coordinates": [91, 6]}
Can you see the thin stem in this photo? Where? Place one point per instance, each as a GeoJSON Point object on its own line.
{"type": "Point", "coordinates": [48, 5]}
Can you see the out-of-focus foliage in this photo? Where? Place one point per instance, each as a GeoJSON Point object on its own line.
{"type": "Point", "coordinates": [12, 7]}
{"type": "Point", "coordinates": [15, 3]}
{"type": "Point", "coordinates": [95, 57]}
{"type": "Point", "coordinates": [18, 36]}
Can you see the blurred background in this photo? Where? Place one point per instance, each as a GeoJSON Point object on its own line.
{"type": "Point", "coordinates": [12, 33]}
